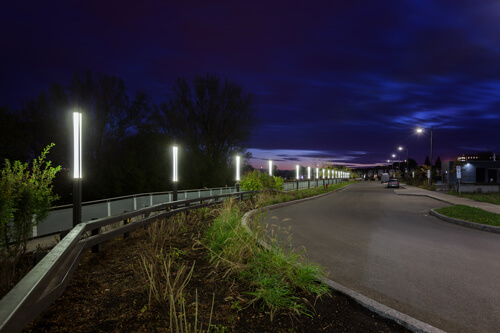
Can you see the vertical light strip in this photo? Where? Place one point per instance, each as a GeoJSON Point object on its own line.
{"type": "Point", "coordinates": [317, 173]}
{"type": "Point", "coordinates": [174, 150]}
{"type": "Point", "coordinates": [297, 167]}
{"type": "Point", "coordinates": [270, 168]}
{"type": "Point", "coordinates": [328, 173]}
{"type": "Point", "coordinates": [237, 168]}
{"type": "Point", "coordinates": [323, 173]}
{"type": "Point", "coordinates": [77, 144]}
{"type": "Point", "coordinates": [308, 172]}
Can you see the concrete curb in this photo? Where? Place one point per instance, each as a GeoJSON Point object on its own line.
{"type": "Point", "coordinates": [402, 319]}
{"type": "Point", "coordinates": [472, 225]}
{"type": "Point", "coordinates": [426, 195]}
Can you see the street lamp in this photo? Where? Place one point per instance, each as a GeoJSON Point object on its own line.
{"type": "Point", "coordinates": [297, 178]}
{"type": "Point", "coordinates": [77, 168]}
{"type": "Point", "coordinates": [237, 173]}
{"type": "Point", "coordinates": [393, 157]}
{"type": "Point", "coordinates": [270, 168]}
{"type": "Point", "coordinates": [407, 161]}
{"type": "Point", "coordinates": [308, 177]}
{"type": "Point", "coordinates": [175, 174]}
{"type": "Point", "coordinates": [237, 168]}
{"type": "Point", "coordinates": [399, 159]}
{"type": "Point", "coordinates": [420, 130]}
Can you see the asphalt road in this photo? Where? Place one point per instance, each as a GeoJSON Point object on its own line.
{"type": "Point", "coordinates": [388, 248]}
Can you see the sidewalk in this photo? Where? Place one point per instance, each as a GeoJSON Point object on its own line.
{"type": "Point", "coordinates": [43, 242]}
{"type": "Point", "coordinates": [451, 199]}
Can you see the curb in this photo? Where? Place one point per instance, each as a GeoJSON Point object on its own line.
{"type": "Point", "coordinates": [472, 225]}
{"type": "Point", "coordinates": [463, 223]}
{"type": "Point", "coordinates": [402, 319]}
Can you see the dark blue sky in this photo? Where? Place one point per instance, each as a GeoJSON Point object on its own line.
{"type": "Point", "coordinates": [337, 81]}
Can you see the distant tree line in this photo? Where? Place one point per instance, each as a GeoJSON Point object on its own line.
{"type": "Point", "coordinates": [127, 140]}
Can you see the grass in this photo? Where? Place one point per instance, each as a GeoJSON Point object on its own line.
{"type": "Point", "coordinates": [471, 214]}
{"type": "Point", "coordinates": [165, 276]}
{"type": "Point", "coordinates": [278, 276]}
{"type": "Point", "coordinates": [493, 198]}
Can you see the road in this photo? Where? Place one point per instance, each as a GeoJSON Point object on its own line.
{"type": "Point", "coordinates": [388, 248]}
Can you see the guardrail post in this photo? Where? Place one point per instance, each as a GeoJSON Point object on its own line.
{"type": "Point", "coordinates": [125, 222]}
{"type": "Point", "coordinates": [95, 248]}
{"type": "Point", "coordinates": [38, 256]}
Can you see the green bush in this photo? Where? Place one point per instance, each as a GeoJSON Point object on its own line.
{"type": "Point", "coordinates": [256, 181]}
{"type": "Point", "coordinates": [25, 199]}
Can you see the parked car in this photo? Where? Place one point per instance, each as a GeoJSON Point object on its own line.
{"type": "Point", "coordinates": [393, 183]}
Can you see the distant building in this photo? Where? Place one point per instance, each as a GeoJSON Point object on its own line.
{"type": "Point", "coordinates": [483, 156]}
{"type": "Point", "coordinates": [473, 172]}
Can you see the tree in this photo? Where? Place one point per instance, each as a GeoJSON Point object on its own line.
{"type": "Point", "coordinates": [12, 143]}
{"type": "Point", "coordinates": [427, 161]}
{"type": "Point", "coordinates": [412, 164]}
{"type": "Point", "coordinates": [110, 119]}
{"type": "Point", "coordinates": [437, 164]}
{"type": "Point", "coordinates": [211, 120]}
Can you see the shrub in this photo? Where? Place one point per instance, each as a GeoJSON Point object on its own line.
{"type": "Point", "coordinates": [25, 199]}
{"type": "Point", "coordinates": [256, 181]}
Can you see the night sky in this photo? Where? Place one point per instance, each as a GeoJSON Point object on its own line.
{"type": "Point", "coordinates": [343, 82]}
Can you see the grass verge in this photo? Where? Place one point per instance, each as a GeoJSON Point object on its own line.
{"type": "Point", "coordinates": [471, 214]}
{"type": "Point", "coordinates": [279, 275]}
{"type": "Point", "coordinates": [493, 198]}
{"type": "Point", "coordinates": [272, 198]}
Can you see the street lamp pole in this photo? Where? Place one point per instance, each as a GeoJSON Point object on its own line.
{"type": "Point", "coordinates": [174, 173]}
{"type": "Point", "coordinates": [401, 148]}
{"type": "Point", "coordinates": [419, 130]}
{"type": "Point", "coordinates": [430, 179]}
{"type": "Point", "coordinates": [407, 163]}
{"type": "Point", "coordinates": [77, 168]}
{"type": "Point", "coordinates": [297, 178]}
{"type": "Point", "coordinates": [237, 173]}
{"type": "Point", "coordinates": [393, 162]}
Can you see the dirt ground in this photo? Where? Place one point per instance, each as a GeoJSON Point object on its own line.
{"type": "Point", "coordinates": [106, 295]}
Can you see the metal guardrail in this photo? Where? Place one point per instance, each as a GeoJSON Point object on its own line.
{"type": "Point", "coordinates": [304, 184]}
{"type": "Point", "coordinates": [60, 218]}
{"type": "Point", "coordinates": [48, 279]}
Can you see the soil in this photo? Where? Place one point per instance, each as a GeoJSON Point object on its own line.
{"type": "Point", "coordinates": [106, 295]}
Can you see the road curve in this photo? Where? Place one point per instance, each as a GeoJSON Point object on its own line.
{"type": "Point", "coordinates": [388, 248]}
